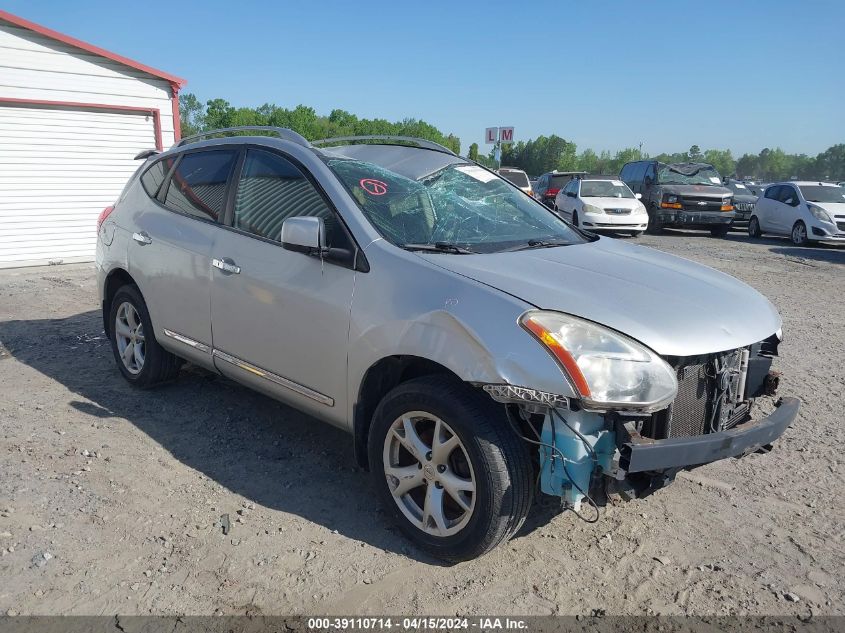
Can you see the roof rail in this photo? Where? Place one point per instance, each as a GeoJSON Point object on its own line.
{"type": "Point", "coordinates": [388, 140]}
{"type": "Point", "coordinates": [281, 132]}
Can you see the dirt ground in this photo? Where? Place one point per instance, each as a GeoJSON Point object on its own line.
{"type": "Point", "coordinates": [111, 498]}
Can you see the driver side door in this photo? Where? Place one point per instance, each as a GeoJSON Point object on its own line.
{"type": "Point", "coordinates": [280, 318]}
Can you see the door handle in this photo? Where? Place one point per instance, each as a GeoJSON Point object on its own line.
{"type": "Point", "coordinates": [142, 238]}
{"type": "Point", "coordinates": [226, 265]}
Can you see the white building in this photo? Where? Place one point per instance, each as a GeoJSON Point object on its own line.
{"type": "Point", "coordinates": [72, 118]}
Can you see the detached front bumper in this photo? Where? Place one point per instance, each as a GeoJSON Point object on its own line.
{"type": "Point", "coordinates": [641, 454]}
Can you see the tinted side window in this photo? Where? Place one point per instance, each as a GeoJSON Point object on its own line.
{"type": "Point", "coordinates": [198, 186]}
{"type": "Point", "coordinates": [272, 189]}
{"type": "Point", "coordinates": [649, 173]}
{"type": "Point", "coordinates": [625, 173]}
{"type": "Point", "coordinates": [772, 193]}
{"type": "Point", "coordinates": [788, 195]}
{"type": "Point", "coordinates": [155, 175]}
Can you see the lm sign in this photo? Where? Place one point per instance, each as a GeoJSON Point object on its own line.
{"type": "Point", "coordinates": [493, 135]}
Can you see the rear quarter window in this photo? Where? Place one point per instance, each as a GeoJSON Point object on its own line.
{"type": "Point", "coordinates": [152, 178]}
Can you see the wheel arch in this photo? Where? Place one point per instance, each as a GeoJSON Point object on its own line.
{"type": "Point", "coordinates": [116, 278]}
{"type": "Point", "coordinates": [382, 376]}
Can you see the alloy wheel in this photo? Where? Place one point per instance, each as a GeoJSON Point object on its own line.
{"type": "Point", "coordinates": [429, 473]}
{"type": "Point", "coordinates": [129, 335]}
{"type": "Point", "coordinates": [799, 234]}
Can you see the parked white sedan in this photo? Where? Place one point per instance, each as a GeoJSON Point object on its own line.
{"type": "Point", "coordinates": [805, 211]}
{"type": "Point", "coordinates": [602, 203]}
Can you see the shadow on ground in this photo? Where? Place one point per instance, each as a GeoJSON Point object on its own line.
{"type": "Point", "coordinates": [254, 446]}
{"type": "Point", "coordinates": [832, 254]}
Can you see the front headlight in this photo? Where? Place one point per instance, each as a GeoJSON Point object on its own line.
{"type": "Point", "coordinates": [671, 199]}
{"type": "Point", "coordinates": [820, 214]}
{"type": "Point", "coordinates": [591, 208]}
{"type": "Point", "coordinates": [607, 369]}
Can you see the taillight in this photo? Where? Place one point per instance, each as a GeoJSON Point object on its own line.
{"type": "Point", "coordinates": [103, 215]}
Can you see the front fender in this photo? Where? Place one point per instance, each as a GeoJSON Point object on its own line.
{"type": "Point", "coordinates": [459, 323]}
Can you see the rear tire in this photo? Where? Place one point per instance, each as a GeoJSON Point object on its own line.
{"type": "Point", "coordinates": [139, 357]}
{"type": "Point", "coordinates": [486, 470]}
{"type": "Point", "coordinates": [754, 228]}
{"type": "Point", "coordinates": [720, 231]}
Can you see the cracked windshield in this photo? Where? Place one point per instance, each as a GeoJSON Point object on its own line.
{"type": "Point", "coordinates": [460, 208]}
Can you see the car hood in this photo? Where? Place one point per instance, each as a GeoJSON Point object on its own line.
{"type": "Point", "coordinates": [745, 198]}
{"type": "Point", "coordinates": [697, 190]}
{"type": "Point", "coordinates": [674, 306]}
{"type": "Point", "coordinates": [613, 203]}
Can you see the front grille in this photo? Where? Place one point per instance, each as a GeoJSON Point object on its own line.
{"type": "Point", "coordinates": [743, 206]}
{"type": "Point", "coordinates": [689, 413]}
{"type": "Point", "coordinates": [698, 203]}
{"type": "Point", "coordinates": [840, 226]}
{"type": "Point", "coordinates": [618, 211]}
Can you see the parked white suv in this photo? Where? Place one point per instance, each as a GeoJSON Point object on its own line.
{"type": "Point", "coordinates": [805, 211]}
{"type": "Point", "coordinates": [602, 203]}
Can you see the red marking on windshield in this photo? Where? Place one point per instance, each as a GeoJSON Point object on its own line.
{"type": "Point", "coordinates": [373, 187]}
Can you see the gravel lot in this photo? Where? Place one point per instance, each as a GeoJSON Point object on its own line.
{"type": "Point", "coordinates": [110, 498]}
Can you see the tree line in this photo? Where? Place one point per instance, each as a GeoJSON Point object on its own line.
{"type": "Point", "coordinates": [535, 156]}
{"type": "Point", "coordinates": [218, 113]}
{"type": "Point", "coordinates": [543, 154]}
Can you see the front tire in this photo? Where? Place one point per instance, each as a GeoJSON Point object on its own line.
{"type": "Point", "coordinates": [799, 234]}
{"type": "Point", "coordinates": [655, 226]}
{"type": "Point", "coordinates": [754, 228]}
{"type": "Point", "coordinates": [448, 465]}
{"type": "Point", "coordinates": [575, 218]}
{"type": "Point", "coordinates": [635, 234]}
{"type": "Point", "coordinates": [720, 231]}
{"type": "Point", "coordinates": [140, 359]}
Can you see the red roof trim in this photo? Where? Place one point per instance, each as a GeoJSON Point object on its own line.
{"type": "Point", "coordinates": [176, 82]}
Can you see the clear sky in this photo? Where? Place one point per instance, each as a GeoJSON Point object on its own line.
{"type": "Point", "coordinates": [721, 74]}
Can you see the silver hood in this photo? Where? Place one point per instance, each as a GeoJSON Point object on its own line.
{"type": "Point", "coordinates": [674, 306]}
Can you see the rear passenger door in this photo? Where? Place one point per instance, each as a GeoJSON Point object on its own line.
{"type": "Point", "coordinates": [170, 250]}
{"type": "Point", "coordinates": [281, 321]}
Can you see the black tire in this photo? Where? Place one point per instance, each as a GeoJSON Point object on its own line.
{"type": "Point", "coordinates": [575, 218]}
{"type": "Point", "coordinates": [636, 234]}
{"type": "Point", "coordinates": [720, 231]}
{"type": "Point", "coordinates": [754, 228]}
{"type": "Point", "coordinates": [159, 365]}
{"type": "Point", "coordinates": [655, 226]}
{"type": "Point", "coordinates": [499, 459]}
{"type": "Point", "coordinates": [798, 235]}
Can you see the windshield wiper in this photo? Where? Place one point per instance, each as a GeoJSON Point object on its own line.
{"type": "Point", "coordinates": [538, 244]}
{"type": "Point", "coordinates": [438, 247]}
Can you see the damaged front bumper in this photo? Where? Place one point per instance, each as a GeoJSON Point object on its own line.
{"type": "Point", "coordinates": [641, 454]}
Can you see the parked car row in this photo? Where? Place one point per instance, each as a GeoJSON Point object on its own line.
{"type": "Point", "coordinates": [651, 195]}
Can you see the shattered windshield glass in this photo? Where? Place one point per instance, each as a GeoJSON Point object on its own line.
{"type": "Point", "coordinates": [460, 205]}
{"type": "Point", "coordinates": [705, 175]}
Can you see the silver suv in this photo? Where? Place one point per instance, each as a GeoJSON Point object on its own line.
{"type": "Point", "coordinates": [473, 344]}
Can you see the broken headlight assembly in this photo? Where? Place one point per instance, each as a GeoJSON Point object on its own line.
{"type": "Point", "coordinates": [605, 368]}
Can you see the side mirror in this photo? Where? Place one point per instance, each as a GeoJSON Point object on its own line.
{"type": "Point", "coordinates": [304, 234]}
{"type": "Point", "coordinates": [638, 196]}
{"type": "Point", "coordinates": [571, 194]}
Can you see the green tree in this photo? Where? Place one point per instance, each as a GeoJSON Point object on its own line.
{"type": "Point", "coordinates": [191, 114]}
{"type": "Point", "coordinates": [473, 152]}
{"type": "Point", "coordinates": [694, 154]}
{"type": "Point", "coordinates": [722, 160]}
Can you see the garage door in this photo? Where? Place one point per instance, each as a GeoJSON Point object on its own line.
{"type": "Point", "coordinates": [59, 167]}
